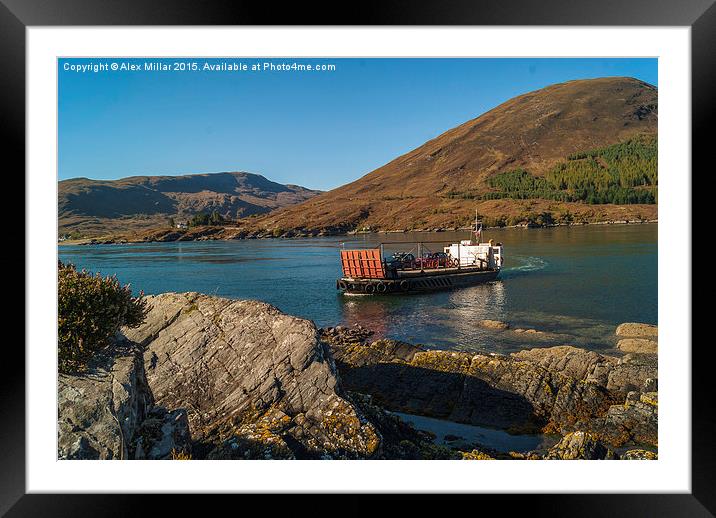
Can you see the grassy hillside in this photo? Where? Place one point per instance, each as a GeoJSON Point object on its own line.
{"type": "Point", "coordinates": [98, 207]}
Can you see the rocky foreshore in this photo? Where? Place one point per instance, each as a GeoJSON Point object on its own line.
{"type": "Point", "coordinates": [558, 389]}
{"type": "Point", "coordinates": [207, 377]}
{"type": "Point", "coordinates": [219, 233]}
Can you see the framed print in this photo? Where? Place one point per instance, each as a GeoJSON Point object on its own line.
{"type": "Point", "coordinates": [359, 258]}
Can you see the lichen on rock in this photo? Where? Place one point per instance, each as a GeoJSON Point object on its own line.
{"type": "Point", "coordinates": [213, 378]}
{"type": "Point", "coordinates": [582, 446]}
{"type": "Point", "coordinates": [241, 367]}
{"type": "Point", "coordinates": [557, 389]}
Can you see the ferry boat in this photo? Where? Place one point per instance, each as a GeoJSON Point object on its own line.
{"type": "Point", "coordinates": [469, 262]}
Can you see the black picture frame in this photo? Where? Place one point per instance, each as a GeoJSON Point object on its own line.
{"type": "Point", "coordinates": [700, 15]}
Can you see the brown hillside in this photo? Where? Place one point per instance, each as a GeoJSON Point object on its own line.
{"type": "Point", "coordinates": [533, 131]}
{"type": "Point", "coordinates": [96, 207]}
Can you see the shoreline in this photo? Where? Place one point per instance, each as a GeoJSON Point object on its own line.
{"type": "Point", "coordinates": [372, 399]}
{"type": "Point", "coordinates": [215, 233]}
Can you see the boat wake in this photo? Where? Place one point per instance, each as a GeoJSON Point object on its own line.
{"type": "Point", "coordinates": [529, 264]}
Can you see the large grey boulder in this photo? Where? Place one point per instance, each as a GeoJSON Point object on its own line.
{"type": "Point", "coordinates": [254, 381]}
{"type": "Point", "coordinates": [106, 411]}
{"type": "Point", "coordinates": [100, 409]}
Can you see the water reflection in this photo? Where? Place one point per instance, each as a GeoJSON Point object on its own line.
{"type": "Point", "coordinates": [450, 318]}
{"type": "Point", "coordinates": [370, 312]}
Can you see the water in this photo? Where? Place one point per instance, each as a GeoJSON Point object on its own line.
{"type": "Point", "coordinates": [575, 284]}
{"type": "Point", "coordinates": [466, 436]}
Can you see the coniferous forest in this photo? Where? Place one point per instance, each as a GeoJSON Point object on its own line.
{"type": "Point", "coordinates": [624, 173]}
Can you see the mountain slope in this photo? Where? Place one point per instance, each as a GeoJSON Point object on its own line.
{"type": "Point", "coordinates": [93, 207]}
{"type": "Point", "coordinates": [533, 132]}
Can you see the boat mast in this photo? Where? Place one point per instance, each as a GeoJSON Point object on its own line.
{"type": "Point", "coordinates": [476, 239]}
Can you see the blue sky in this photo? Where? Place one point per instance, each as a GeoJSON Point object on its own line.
{"type": "Point", "coordinates": [319, 129]}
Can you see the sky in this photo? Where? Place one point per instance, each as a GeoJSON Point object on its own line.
{"type": "Point", "coordinates": [318, 128]}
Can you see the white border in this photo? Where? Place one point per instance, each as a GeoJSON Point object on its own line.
{"type": "Point", "coordinates": [670, 473]}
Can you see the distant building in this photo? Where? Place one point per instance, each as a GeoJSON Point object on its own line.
{"type": "Point", "coordinates": [181, 224]}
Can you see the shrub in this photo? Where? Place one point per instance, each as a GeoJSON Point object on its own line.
{"type": "Point", "coordinates": [91, 309]}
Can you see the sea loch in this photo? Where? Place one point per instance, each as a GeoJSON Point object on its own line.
{"type": "Point", "coordinates": [572, 284]}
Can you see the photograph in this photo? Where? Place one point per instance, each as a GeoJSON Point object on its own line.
{"type": "Point", "coordinates": [359, 258]}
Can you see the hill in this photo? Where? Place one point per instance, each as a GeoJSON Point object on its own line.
{"type": "Point", "coordinates": [95, 207]}
{"type": "Point", "coordinates": [578, 126]}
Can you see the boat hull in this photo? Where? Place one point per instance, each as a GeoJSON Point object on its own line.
{"type": "Point", "coordinates": [417, 282]}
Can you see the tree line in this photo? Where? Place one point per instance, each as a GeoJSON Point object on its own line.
{"type": "Point", "coordinates": [203, 219]}
{"type": "Point", "coordinates": [624, 173]}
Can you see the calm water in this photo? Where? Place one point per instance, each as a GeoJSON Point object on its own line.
{"type": "Point", "coordinates": [575, 284]}
{"type": "Point", "coordinates": [467, 436]}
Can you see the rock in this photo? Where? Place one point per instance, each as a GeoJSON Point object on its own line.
{"type": "Point", "coordinates": [580, 364]}
{"type": "Point", "coordinates": [639, 455]}
{"type": "Point", "coordinates": [494, 324]}
{"type": "Point", "coordinates": [525, 456]}
{"type": "Point", "coordinates": [556, 389]}
{"type": "Point", "coordinates": [343, 335]}
{"type": "Point", "coordinates": [476, 455]}
{"type": "Point", "coordinates": [114, 390]}
{"type": "Point", "coordinates": [580, 445]}
{"type": "Point", "coordinates": [638, 423]}
{"type": "Point", "coordinates": [358, 354]}
{"type": "Point", "coordinates": [169, 236]}
{"type": "Point", "coordinates": [213, 378]}
{"type": "Point", "coordinates": [164, 433]}
{"type": "Point", "coordinates": [253, 380]}
{"type": "Point", "coordinates": [638, 345]}
{"type": "Point", "coordinates": [100, 409]}
{"type": "Point", "coordinates": [650, 398]}
{"type": "Point", "coordinates": [632, 372]}
{"type": "Point", "coordinates": [485, 390]}
{"type": "Point", "coordinates": [400, 439]}
{"type": "Point", "coordinates": [633, 329]}
{"type": "Point", "coordinates": [635, 421]}
{"type": "Point", "coordinates": [650, 385]}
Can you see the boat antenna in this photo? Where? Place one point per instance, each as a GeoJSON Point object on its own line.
{"type": "Point", "coordinates": [476, 237]}
{"type": "Point", "coordinates": [477, 231]}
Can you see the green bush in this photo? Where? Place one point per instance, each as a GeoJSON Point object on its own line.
{"type": "Point", "coordinates": [203, 219]}
{"type": "Point", "coordinates": [91, 309]}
